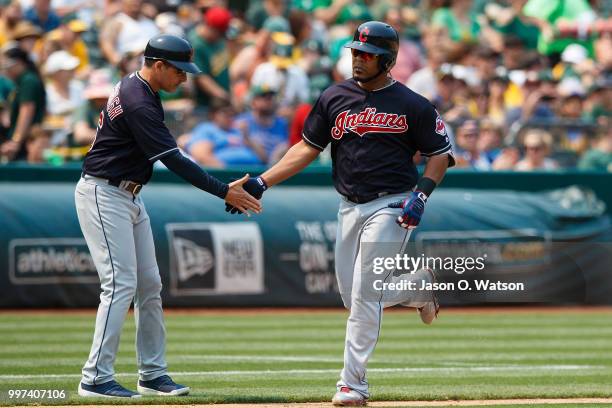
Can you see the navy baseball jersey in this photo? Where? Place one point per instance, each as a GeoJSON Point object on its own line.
{"type": "Point", "coordinates": [131, 134]}
{"type": "Point", "coordinates": [374, 135]}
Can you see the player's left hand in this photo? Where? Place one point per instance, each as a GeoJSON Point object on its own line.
{"type": "Point", "coordinates": [412, 209]}
{"type": "Point", "coordinates": [255, 186]}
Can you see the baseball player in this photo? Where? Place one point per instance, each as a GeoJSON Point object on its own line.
{"type": "Point", "coordinates": [130, 137]}
{"type": "Point", "coordinates": [375, 126]}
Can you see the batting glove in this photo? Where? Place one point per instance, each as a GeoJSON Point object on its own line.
{"type": "Point", "coordinates": [412, 210]}
{"type": "Point", "coordinates": [255, 186]}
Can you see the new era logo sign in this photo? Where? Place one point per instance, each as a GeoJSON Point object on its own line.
{"type": "Point", "coordinates": [192, 260]}
{"type": "Point", "coordinates": [215, 258]}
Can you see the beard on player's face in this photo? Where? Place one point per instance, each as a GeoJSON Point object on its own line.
{"type": "Point", "coordinates": [362, 75]}
{"type": "Point", "coordinates": [364, 69]}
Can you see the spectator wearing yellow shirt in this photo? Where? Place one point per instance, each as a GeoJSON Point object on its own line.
{"type": "Point", "coordinates": [9, 19]}
{"type": "Point", "coordinates": [68, 38]}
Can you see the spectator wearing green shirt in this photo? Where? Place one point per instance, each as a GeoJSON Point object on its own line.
{"type": "Point", "coordinates": [550, 13]}
{"type": "Point", "coordinates": [458, 19]}
{"type": "Point", "coordinates": [259, 11]}
{"type": "Point", "coordinates": [599, 106]}
{"type": "Point", "coordinates": [27, 101]}
{"type": "Point", "coordinates": [519, 24]}
{"type": "Point", "coordinates": [600, 156]}
{"type": "Point", "coordinates": [353, 17]}
{"type": "Point", "coordinates": [327, 11]}
{"type": "Point", "coordinates": [6, 86]}
{"type": "Point", "coordinates": [212, 56]}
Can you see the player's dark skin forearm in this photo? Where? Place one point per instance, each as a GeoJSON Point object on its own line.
{"type": "Point", "coordinates": [299, 156]}
{"type": "Point", "coordinates": [436, 167]}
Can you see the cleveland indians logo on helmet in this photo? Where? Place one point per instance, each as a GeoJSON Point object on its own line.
{"type": "Point", "coordinates": [363, 35]}
{"type": "Point", "coordinates": [368, 121]}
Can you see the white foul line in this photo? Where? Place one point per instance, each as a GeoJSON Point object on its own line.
{"type": "Point", "coordinates": [326, 371]}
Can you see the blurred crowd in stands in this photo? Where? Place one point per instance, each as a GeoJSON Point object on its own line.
{"type": "Point", "coordinates": [522, 84]}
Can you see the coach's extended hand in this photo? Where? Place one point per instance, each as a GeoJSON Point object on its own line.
{"type": "Point", "coordinates": [240, 200]}
{"type": "Point", "coordinates": [412, 209]}
{"type": "Point", "coordinates": [255, 186]}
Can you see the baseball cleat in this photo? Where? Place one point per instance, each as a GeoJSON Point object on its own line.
{"type": "Point", "coordinates": [429, 312]}
{"type": "Point", "coordinates": [345, 397]}
{"type": "Point", "coordinates": [110, 389]}
{"type": "Point", "coordinates": [162, 386]}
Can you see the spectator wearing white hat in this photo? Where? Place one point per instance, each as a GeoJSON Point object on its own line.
{"type": "Point", "coordinates": [281, 72]}
{"type": "Point", "coordinates": [64, 94]}
{"type": "Point", "coordinates": [574, 59]}
{"type": "Point", "coordinates": [68, 37]}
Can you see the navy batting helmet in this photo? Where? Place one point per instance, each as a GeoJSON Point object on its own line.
{"type": "Point", "coordinates": [174, 50]}
{"type": "Point", "coordinates": [375, 37]}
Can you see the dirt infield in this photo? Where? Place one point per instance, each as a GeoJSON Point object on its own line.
{"type": "Point", "coordinates": [451, 403]}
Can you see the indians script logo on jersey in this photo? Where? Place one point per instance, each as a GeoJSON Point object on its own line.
{"type": "Point", "coordinates": [368, 121]}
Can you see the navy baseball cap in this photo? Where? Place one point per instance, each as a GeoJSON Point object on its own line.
{"type": "Point", "coordinates": [175, 50]}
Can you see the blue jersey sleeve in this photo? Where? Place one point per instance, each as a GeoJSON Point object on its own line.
{"type": "Point", "coordinates": [151, 133]}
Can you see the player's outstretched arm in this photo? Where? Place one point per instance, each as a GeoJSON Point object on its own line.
{"type": "Point", "coordinates": [195, 175]}
{"type": "Point", "coordinates": [298, 157]}
{"type": "Point", "coordinates": [295, 160]}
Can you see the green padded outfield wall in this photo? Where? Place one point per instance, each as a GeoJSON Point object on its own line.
{"type": "Point", "coordinates": [282, 257]}
{"type": "Point", "coordinates": [599, 182]}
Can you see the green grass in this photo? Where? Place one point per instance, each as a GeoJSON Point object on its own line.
{"type": "Point", "coordinates": [297, 357]}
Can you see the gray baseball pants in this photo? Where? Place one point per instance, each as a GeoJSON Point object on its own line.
{"type": "Point", "coordinates": [371, 222]}
{"type": "Point", "coordinates": [117, 229]}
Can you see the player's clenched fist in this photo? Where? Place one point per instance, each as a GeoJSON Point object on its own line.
{"type": "Point", "coordinates": [241, 198]}
{"type": "Point", "coordinates": [412, 209]}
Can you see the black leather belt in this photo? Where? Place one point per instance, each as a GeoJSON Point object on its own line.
{"type": "Point", "coordinates": [357, 199]}
{"type": "Point", "coordinates": [126, 185]}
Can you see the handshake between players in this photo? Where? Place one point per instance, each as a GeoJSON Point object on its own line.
{"type": "Point", "coordinates": [243, 196]}
{"type": "Point", "coordinates": [254, 186]}
{"type": "Point", "coordinates": [412, 207]}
